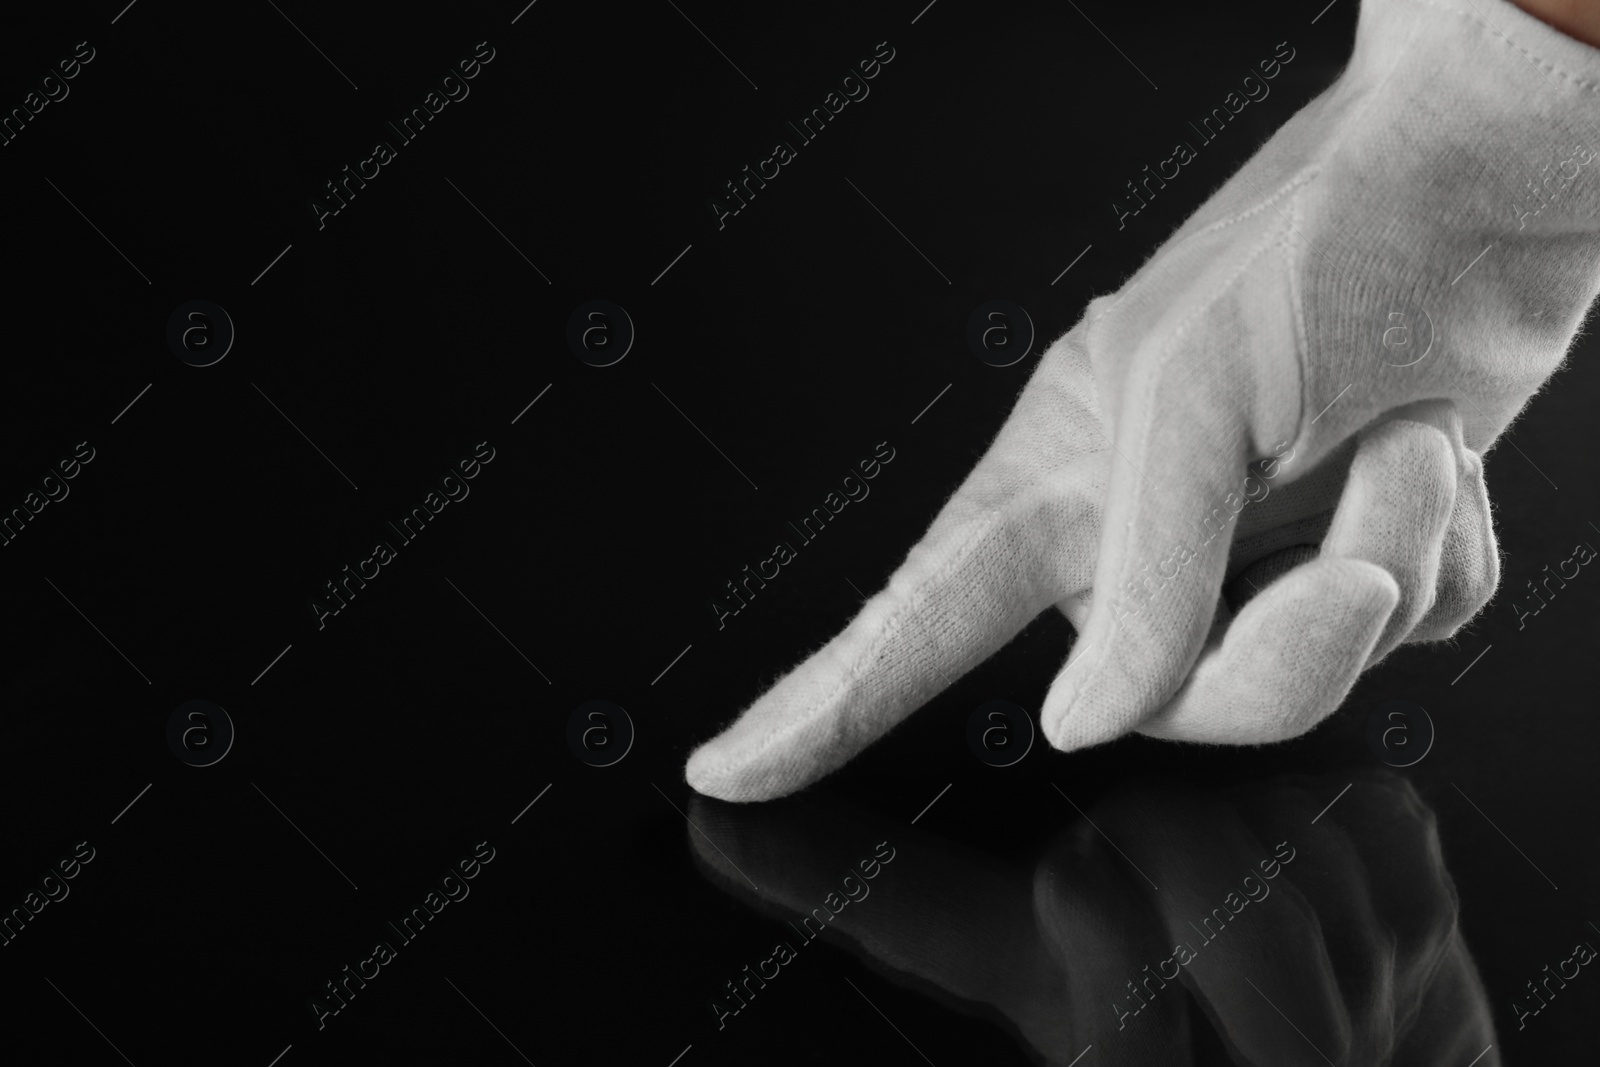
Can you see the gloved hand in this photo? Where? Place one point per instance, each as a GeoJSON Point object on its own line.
{"type": "Point", "coordinates": [1438, 188]}
{"type": "Point", "coordinates": [1347, 925]}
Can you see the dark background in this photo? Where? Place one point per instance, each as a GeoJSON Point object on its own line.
{"type": "Point", "coordinates": [796, 338]}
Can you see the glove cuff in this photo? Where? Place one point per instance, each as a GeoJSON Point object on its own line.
{"type": "Point", "coordinates": [1497, 33]}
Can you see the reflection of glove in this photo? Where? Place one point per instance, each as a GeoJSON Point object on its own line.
{"type": "Point", "coordinates": [1395, 248]}
{"type": "Point", "coordinates": [954, 924]}
{"type": "Point", "coordinates": [1354, 939]}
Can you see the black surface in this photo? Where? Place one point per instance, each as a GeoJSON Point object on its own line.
{"type": "Point", "coordinates": [799, 336]}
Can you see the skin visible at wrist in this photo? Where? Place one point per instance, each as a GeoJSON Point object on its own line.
{"type": "Point", "coordinates": [1579, 19]}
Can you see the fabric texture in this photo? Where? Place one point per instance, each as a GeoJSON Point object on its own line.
{"type": "Point", "coordinates": [1320, 355]}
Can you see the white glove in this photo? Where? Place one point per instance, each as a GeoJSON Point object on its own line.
{"type": "Point", "coordinates": [1442, 187]}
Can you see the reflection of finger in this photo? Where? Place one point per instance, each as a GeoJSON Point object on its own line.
{"type": "Point", "coordinates": [1287, 660]}
{"type": "Point", "coordinates": [1469, 564]}
{"type": "Point", "coordinates": [1371, 866]}
{"type": "Point", "coordinates": [1453, 1023]}
{"type": "Point", "coordinates": [936, 910]}
{"type": "Point", "coordinates": [1316, 931]}
{"type": "Point", "coordinates": [1232, 931]}
{"type": "Point", "coordinates": [1396, 506]}
{"type": "Point", "coordinates": [956, 923]}
{"type": "Point", "coordinates": [1098, 927]}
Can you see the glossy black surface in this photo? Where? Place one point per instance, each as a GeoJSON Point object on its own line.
{"type": "Point", "coordinates": [374, 754]}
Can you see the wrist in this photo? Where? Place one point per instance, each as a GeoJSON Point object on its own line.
{"type": "Point", "coordinates": [1578, 19]}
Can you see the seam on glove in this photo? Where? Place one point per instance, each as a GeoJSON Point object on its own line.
{"type": "Point", "coordinates": [873, 647]}
{"type": "Point", "coordinates": [1302, 177]}
{"type": "Point", "coordinates": [1273, 235]}
{"type": "Point", "coordinates": [1477, 18]}
{"type": "Point", "coordinates": [1297, 313]}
